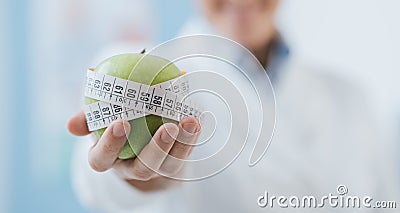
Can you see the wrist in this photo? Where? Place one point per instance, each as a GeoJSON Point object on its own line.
{"type": "Point", "coordinates": [153, 185]}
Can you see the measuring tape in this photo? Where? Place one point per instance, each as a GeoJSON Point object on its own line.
{"type": "Point", "coordinates": [124, 99]}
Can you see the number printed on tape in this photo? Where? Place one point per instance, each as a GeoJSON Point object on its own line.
{"type": "Point", "coordinates": [128, 100]}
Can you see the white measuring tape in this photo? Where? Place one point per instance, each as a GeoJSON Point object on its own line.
{"type": "Point", "coordinates": [128, 100]}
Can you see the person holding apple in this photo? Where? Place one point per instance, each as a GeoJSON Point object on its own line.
{"type": "Point", "coordinates": [325, 136]}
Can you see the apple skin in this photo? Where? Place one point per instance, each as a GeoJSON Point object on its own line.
{"type": "Point", "coordinates": [150, 71]}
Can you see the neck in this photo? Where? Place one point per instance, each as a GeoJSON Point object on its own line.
{"type": "Point", "coordinates": [263, 52]}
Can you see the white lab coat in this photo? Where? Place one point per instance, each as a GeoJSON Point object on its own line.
{"type": "Point", "coordinates": [325, 136]}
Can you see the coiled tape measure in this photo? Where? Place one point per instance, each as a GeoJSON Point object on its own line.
{"type": "Point", "coordinates": [128, 100]}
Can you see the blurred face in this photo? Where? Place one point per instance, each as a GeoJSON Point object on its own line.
{"type": "Point", "coordinates": [249, 22]}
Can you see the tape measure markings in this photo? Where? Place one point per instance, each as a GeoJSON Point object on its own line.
{"type": "Point", "coordinates": [166, 99]}
{"type": "Point", "coordinates": [98, 118]}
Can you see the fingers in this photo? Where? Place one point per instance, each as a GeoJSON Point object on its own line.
{"type": "Point", "coordinates": [104, 153]}
{"type": "Point", "coordinates": [164, 153]}
{"type": "Point", "coordinates": [153, 155]}
{"type": "Point", "coordinates": [188, 132]}
{"type": "Point", "coordinates": [155, 152]}
{"type": "Point", "coordinates": [77, 125]}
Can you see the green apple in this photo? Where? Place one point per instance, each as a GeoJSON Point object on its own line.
{"type": "Point", "coordinates": [150, 71]}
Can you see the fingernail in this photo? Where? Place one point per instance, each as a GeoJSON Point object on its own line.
{"type": "Point", "coordinates": [169, 134]}
{"type": "Point", "coordinates": [190, 127]}
{"type": "Point", "coordinates": [119, 130]}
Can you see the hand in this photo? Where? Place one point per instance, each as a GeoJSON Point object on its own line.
{"type": "Point", "coordinates": [169, 143]}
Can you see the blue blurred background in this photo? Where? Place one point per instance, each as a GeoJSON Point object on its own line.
{"type": "Point", "coordinates": [47, 45]}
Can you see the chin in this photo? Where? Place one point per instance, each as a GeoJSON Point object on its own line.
{"type": "Point", "coordinates": [249, 43]}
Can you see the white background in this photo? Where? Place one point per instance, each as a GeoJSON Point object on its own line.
{"type": "Point", "coordinates": [358, 39]}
